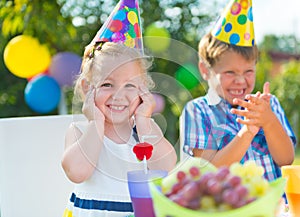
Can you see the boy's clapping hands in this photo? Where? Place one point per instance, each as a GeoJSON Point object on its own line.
{"type": "Point", "coordinates": [257, 111]}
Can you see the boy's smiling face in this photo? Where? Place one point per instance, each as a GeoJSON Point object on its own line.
{"type": "Point", "coordinates": [233, 76]}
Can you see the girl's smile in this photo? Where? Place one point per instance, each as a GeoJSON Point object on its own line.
{"type": "Point", "coordinates": [118, 94]}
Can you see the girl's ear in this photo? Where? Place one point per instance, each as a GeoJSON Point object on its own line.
{"type": "Point", "coordinates": [85, 86]}
{"type": "Point", "coordinates": [204, 71]}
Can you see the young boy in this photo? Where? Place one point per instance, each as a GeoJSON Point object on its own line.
{"type": "Point", "coordinates": [229, 124]}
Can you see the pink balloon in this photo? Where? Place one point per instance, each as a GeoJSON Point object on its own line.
{"type": "Point", "coordinates": [160, 103]}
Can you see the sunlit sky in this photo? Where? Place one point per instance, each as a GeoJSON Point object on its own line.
{"type": "Point", "coordinates": [276, 17]}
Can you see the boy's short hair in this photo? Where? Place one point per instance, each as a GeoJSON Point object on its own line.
{"type": "Point", "coordinates": [210, 49]}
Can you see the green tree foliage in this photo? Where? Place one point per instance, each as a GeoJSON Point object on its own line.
{"type": "Point", "coordinates": [284, 43]}
{"type": "Point", "coordinates": [263, 69]}
{"type": "Point", "coordinates": [40, 19]}
{"type": "Point", "coordinates": [286, 86]}
{"type": "Point", "coordinates": [68, 25]}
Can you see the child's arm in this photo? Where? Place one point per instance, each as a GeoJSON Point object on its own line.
{"type": "Point", "coordinates": [231, 153]}
{"type": "Point", "coordinates": [164, 155]}
{"type": "Point", "coordinates": [82, 148]}
{"type": "Point", "coordinates": [258, 113]}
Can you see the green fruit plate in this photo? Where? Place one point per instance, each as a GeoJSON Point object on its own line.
{"type": "Point", "coordinates": [264, 206]}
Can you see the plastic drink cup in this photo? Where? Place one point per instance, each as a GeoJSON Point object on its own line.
{"type": "Point", "coordinates": [292, 189]}
{"type": "Point", "coordinates": [139, 191]}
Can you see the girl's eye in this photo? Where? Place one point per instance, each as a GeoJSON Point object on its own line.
{"type": "Point", "coordinates": [106, 85]}
{"type": "Point", "coordinates": [130, 85]}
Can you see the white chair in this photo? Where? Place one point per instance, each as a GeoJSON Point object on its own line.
{"type": "Point", "coordinates": [32, 181]}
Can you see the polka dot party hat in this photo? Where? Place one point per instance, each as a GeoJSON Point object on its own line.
{"type": "Point", "coordinates": [122, 26]}
{"type": "Point", "coordinates": [235, 25]}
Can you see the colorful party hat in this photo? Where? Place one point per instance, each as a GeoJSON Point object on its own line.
{"type": "Point", "coordinates": [122, 26]}
{"type": "Point", "coordinates": [235, 25]}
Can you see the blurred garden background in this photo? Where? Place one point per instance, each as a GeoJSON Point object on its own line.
{"type": "Point", "coordinates": [65, 27]}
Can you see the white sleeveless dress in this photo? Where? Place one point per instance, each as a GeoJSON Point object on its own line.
{"type": "Point", "coordinates": [106, 192]}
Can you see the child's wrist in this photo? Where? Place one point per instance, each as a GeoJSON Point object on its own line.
{"type": "Point", "coordinates": [140, 117]}
{"type": "Point", "coordinates": [143, 122]}
{"type": "Point", "coordinates": [269, 123]}
{"type": "Point", "coordinates": [244, 133]}
{"type": "Point", "coordinates": [147, 127]}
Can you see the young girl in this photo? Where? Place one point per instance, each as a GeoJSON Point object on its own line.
{"type": "Point", "coordinates": [98, 153]}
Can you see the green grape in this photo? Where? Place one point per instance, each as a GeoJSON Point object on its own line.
{"type": "Point", "coordinates": [237, 169]}
{"type": "Point", "coordinates": [224, 207]}
{"type": "Point", "coordinates": [252, 177]}
{"type": "Point", "coordinates": [207, 203]}
{"type": "Point", "coordinates": [225, 189]}
{"type": "Point", "coordinates": [252, 169]}
{"type": "Point", "coordinates": [258, 187]}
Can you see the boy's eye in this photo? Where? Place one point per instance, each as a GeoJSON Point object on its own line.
{"type": "Point", "coordinates": [249, 72]}
{"type": "Point", "coordinates": [229, 73]}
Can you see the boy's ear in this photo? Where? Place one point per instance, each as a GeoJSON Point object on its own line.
{"type": "Point", "coordinates": [85, 86]}
{"type": "Point", "coordinates": [204, 71]}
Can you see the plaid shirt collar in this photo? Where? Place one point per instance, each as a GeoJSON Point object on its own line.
{"type": "Point", "coordinates": [212, 97]}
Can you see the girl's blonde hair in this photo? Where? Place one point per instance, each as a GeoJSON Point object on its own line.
{"type": "Point", "coordinates": [95, 65]}
{"type": "Point", "coordinates": [210, 49]}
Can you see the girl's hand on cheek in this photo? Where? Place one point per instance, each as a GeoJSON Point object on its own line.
{"type": "Point", "coordinates": [147, 104]}
{"type": "Point", "coordinates": [89, 108]}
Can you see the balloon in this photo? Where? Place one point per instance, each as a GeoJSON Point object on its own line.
{"type": "Point", "coordinates": [157, 39]}
{"type": "Point", "coordinates": [64, 67]}
{"type": "Point", "coordinates": [132, 17]}
{"type": "Point", "coordinates": [42, 94]}
{"type": "Point", "coordinates": [188, 75]}
{"type": "Point", "coordinates": [46, 72]}
{"type": "Point", "coordinates": [25, 57]}
{"type": "Point", "coordinates": [160, 103]}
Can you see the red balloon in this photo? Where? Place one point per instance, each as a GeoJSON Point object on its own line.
{"type": "Point", "coordinates": [116, 26]}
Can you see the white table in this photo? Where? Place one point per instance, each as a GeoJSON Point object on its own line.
{"type": "Point", "coordinates": [32, 182]}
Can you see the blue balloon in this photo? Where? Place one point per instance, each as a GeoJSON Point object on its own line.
{"type": "Point", "coordinates": [42, 94]}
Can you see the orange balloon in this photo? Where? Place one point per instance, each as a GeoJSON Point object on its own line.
{"type": "Point", "coordinates": [25, 57]}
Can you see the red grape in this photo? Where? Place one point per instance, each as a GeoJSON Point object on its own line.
{"type": "Point", "coordinates": [181, 175]}
{"type": "Point", "coordinates": [211, 191]}
{"type": "Point", "coordinates": [195, 172]}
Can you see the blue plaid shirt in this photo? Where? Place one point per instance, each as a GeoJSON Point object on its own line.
{"type": "Point", "coordinates": [207, 123]}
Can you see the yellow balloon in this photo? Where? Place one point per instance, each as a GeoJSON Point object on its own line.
{"type": "Point", "coordinates": [157, 39]}
{"type": "Point", "coordinates": [132, 17]}
{"type": "Point", "coordinates": [129, 42]}
{"type": "Point", "coordinates": [25, 57]}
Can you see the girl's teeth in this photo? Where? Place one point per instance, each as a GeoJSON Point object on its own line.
{"type": "Point", "coordinates": [119, 108]}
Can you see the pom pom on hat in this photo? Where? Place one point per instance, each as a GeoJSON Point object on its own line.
{"type": "Point", "coordinates": [235, 25]}
{"type": "Point", "coordinates": [122, 26]}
